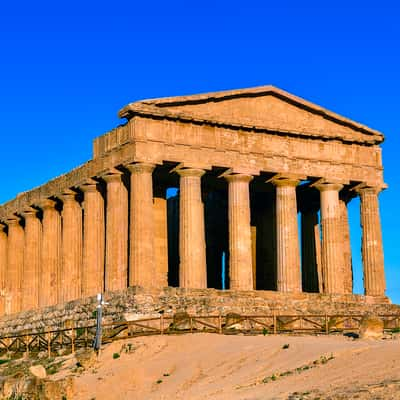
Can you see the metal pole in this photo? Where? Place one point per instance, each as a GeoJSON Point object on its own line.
{"type": "Point", "coordinates": [99, 314]}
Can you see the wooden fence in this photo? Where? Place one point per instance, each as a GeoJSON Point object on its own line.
{"type": "Point", "coordinates": [73, 338]}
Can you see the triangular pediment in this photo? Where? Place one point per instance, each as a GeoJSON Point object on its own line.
{"type": "Point", "coordinates": [267, 107]}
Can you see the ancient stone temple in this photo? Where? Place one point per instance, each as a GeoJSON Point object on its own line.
{"type": "Point", "coordinates": [242, 190]}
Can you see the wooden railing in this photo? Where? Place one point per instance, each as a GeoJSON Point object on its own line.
{"type": "Point", "coordinates": [71, 339]}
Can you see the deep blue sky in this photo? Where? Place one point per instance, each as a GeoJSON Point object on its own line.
{"type": "Point", "coordinates": [66, 68]}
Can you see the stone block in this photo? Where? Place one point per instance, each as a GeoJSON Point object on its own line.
{"type": "Point", "coordinates": [371, 327]}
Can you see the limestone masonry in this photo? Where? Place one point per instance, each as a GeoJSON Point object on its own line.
{"type": "Point", "coordinates": [245, 163]}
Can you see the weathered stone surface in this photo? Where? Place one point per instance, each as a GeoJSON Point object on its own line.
{"type": "Point", "coordinates": [38, 370]}
{"type": "Point", "coordinates": [332, 238]}
{"type": "Point", "coordinates": [144, 302]}
{"type": "Point", "coordinates": [288, 253]}
{"type": "Point", "coordinates": [371, 327]}
{"type": "Point", "coordinates": [93, 239]}
{"type": "Point", "coordinates": [142, 228]}
{"type": "Point", "coordinates": [192, 246]}
{"type": "Point", "coordinates": [181, 321]}
{"type": "Point", "coordinates": [116, 268]}
{"type": "Point", "coordinates": [372, 250]}
{"type": "Point", "coordinates": [240, 247]}
{"type": "Point", "coordinates": [49, 282]}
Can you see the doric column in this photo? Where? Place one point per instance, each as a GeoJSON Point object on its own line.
{"type": "Point", "coordinates": [347, 259]}
{"type": "Point", "coordinates": [192, 249]}
{"type": "Point", "coordinates": [287, 236]}
{"type": "Point", "coordinates": [161, 236]}
{"type": "Point", "coordinates": [3, 267]}
{"type": "Point", "coordinates": [372, 249]}
{"type": "Point", "coordinates": [142, 256]}
{"type": "Point", "coordinates": [240, 247]}
{"type": "Point", "coordinates": [49, 282]}
{"type": "Point", "coordinates": [311, 250]}
{"type": "Point", "coordinates": [15, 250]}
{"type": "Point", "coordinates": [116, 275]}
{"type": "Point", "coordinates": [32, 260]}
{"type": "Point", "coordinates": [332, 240]}
{"type": "Point", "coordinates": [71, 266]}
{"type": "Point", "coordinates": [93, 240]}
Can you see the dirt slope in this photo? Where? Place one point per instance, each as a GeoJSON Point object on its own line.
{"type": "Point", "coordinates": [210, 366]}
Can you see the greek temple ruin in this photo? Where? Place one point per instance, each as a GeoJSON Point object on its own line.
{"type": "Point", "coordinates": [241, 190]}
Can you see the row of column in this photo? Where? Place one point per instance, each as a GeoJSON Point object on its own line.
{"type": "Point", "coordinates": [60, 258]}
{"type": "Point", "coordinates": [335, 254]}
{"type": "Point", "coordinates": [83, 250]}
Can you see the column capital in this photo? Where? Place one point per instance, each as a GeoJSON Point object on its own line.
{"type": "Point", "coordinates": [328, 186]}
{"type": "Point", "coordinates": [68, 195]}
{"type": "Point", "coordinates": [375, 190]}
{"type": "Point", "coordinates": [90, 185]}
{"type": "Point", "coordinates": [239, 178]}
{"type": "Point", "coordinates": [140, 167]}
{"type": "Point", "coordinates": [191, 172]}
{"type": "Point", "coordinates": [13, 220]}
{"type": "Point", "coordinates": [29, 212]}
{"type": "Point", "coordinates": [112, 175]}
{"type": "Point", "coordinates": [47, 204]}
{"type": "Point", "coordinates": [285, 181]}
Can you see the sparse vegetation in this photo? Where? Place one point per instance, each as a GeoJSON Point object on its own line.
{"type": "Point", "coordinates": [80, 331]}
{"type": "Point", "coordinates": [265, 331]}
{"type": "Point", "coordinates": [285, 346]}
{"type": "Point", "coordinates": [159, 381]}
{"type": "Point", "coordinates": [116, 355]}
{"type": "Point", "coordinates": [298, 370]}
{"type": "Point", "coordinates": [128, 348]}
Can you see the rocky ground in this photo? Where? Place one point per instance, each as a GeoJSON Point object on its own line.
{"type": "Point", "coordinates": [211, 366]}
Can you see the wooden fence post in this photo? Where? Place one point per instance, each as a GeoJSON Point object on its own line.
{"type": "Point", "coordinates": [326, 324]}
{"type": "Point", "coordinates": [28, 338]}
{"type": "Point", "coordinates": [8, 347]}
{"type": "Point", "coordinates": [161, 324]}
{"type": "Point", "coordinates": [48, 336]}
{"type": "Point", "coordinates": [86, 337]}
{"type": "Point", "coordinates": [73, 339]}
{"type": "Point", "coordinates": [220, 323]}
{"type": "Point", "coordinates": [274, 322]}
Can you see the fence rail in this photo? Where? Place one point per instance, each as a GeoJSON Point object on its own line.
{"type": "Point", "coordinates": [73, 338]}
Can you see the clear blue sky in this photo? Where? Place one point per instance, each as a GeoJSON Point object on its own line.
{"type": "Point", "coordinates": [67, 67]}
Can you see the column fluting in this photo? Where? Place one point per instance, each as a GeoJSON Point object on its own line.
{"type": "Point", "coordinates": [287, 236]}
{"type": "Point", "coordinates": [71, 266]}
{"type": "Point", "coordinates": [32, 259]}
{"type": "Point", "coordinates": [116, 270]}
{"type": "Point", "coordinates": [192, 247]}
{"type": "Point", "coordinates": [240, 246]}
{"type": "Point", "coordinates": [372, 248]}
{"type": "Point", "coordinates": [93, 239]}
{"type": "Point", "coordinates": [332, 238]}
{"type": "Point", "coordinates": [142, 257]}
{"type": "Point", "coordinates": [15, 264]}
{"type": "Point", "coordinates": [49, 283]}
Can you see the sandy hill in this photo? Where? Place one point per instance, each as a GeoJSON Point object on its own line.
{"type": "Point", "coordinates": [210, 366]}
